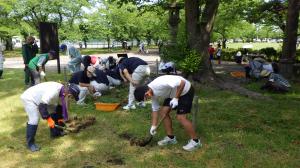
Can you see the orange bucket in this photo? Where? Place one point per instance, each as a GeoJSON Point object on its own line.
{"type": "Point", "coordinates": [238, 74]}
{"type": "Point", "coordinates": [107, 106]}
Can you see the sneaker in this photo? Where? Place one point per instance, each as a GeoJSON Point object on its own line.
{"type": "Point", "coordinates": [167, 141]}
{"type": "Point", "coordinates": [141, 104]}
{"type": "Point", "coordinates": [128, 107]}
{"type": "Point", "coordinates": [192, 145]}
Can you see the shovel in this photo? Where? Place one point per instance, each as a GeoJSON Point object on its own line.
{"type": "Point", "coordinates": [148, 139]}
{"type": "Point", "coordinates": [63, 128]}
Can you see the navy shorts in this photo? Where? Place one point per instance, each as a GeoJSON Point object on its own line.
{"type": "Point", "coordinates": [185, 102]}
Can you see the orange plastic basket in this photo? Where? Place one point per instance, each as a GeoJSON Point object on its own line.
{"type": "Point", "coordinates": [238, 74]}
{"type": "Point", "coordinates": [107, 106]}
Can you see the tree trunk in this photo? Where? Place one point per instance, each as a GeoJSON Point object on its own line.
{"type": "Point", "coordinates": [108, 42]}
{"type": "Point", "coordinates": [198, 33]}
{"type": "Point", "coordinates": [290, 40]}
{"type": "Point", "coordinates": [224, 43]}
{"type": "Point", "coordinates": [174, 20]}
{"type": "Point", "coordinates": [8, 44]}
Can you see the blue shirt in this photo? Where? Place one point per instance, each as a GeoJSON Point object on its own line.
{"type": "Point", "coordinates": [131, 64]}
{"type": "Point", "coordinates": [114, 73]}
{"type": "Point", "coordinates": [101, 77]}
{"type": "Point", "coordinates": [81, 77]}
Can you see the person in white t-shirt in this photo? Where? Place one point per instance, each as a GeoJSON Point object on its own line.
{"type": "Point", "coordinates": [177, 93]}
{"type": "Point", "coordinates": [36, 101]}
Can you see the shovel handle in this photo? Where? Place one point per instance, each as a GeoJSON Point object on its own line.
{"type": "Point", "coordinates": [160, 121]}
{"type": "Point", "coordinates": [60, 127]}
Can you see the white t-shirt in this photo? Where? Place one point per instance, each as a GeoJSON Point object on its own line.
{"type": "Point", "coordinates": [46, 92]}
{"type": "Point", "coordinates": [165, 87]}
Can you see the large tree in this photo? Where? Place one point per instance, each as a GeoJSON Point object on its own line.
{"type": "Point", "coordinates": [290, 39]}
{"type": "Point", "coordinates": [199, 17]}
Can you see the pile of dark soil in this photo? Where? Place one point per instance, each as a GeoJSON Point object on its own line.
{"type": "Point", "coordinates": [136, 141]}
{"type": "Point", "coordinates": [75, 124]}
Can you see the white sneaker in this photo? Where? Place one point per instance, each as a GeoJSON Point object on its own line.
{"type": "Point", "coordinates": [167, 141]}
{"type": "Point", "coordinates": [192, 145]}
{"type": "Point", "coordinates": [141, 104]}
{"type": "Point", "coordinates": [128, 107]}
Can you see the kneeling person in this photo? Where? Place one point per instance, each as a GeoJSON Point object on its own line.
{"type": "Point", "coordinates": [100, 82]}
{"type": "Point", "coordinates": [82, 80]}
{"type": "Point", "coordinates": [178, 93]}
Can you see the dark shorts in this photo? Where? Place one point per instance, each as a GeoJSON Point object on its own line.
{"type": "Point", "coordinates": [185, 102]}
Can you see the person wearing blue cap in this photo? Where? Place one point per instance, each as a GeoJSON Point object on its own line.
{"type": "Point", "coordinates": [75, 63]}
{"type": "Point", "coordinates": [38, 99]}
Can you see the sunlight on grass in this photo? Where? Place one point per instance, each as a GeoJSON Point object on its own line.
{"type": "Point", "coordinates": [235, 131]}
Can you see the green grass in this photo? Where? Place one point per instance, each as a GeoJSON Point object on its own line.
{"type": "Point", "coordinates": [257, 46]}
{"type": "Point", "coordinates": [235, 131]}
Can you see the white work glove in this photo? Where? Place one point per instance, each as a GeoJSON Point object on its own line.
{"type": "Point", "coordinates": [174, 102]}
{"type": "Point", "coordinates": [42, 74]}
{"type": "Point", "coordinates": [97, 94]}
{"type": "Point", "coordinates": [153, 130]}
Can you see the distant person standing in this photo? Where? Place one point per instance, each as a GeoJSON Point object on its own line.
{"type": "Point", "coordinates": [219, 53]}
{"type": "Point", "coordinates": [142, 48]}
{"type": "Point", "coordinates": [1, 61]}
{"type": "Point", "coordinates": [238, 57]}
{"type": "Point", "coordinates": [29, 50]}
{"type": "Point", "coordinates": [75, 57]}
{"type": "Point", "coordinates": [211, 51]}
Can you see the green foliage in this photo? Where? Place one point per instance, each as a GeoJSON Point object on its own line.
{"type": "Point", "coordinates": [188, 61]}
{"type": "Point", "coordinates": [191, 62]}
{"type": "Point", "coordinates": [270, 52]}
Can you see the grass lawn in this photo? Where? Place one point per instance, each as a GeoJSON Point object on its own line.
{"type": "Point", "coordinates": [235, 131]}
{"type": "Point", "coordinates": [256, 46]}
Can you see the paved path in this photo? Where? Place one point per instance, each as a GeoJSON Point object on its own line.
{"type": "Point", "coordinates": [225, 67]}
{"type": "Point", "coordinates": [17, 62]}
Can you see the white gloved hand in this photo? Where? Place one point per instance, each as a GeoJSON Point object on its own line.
{"type": "Point", "coordinates": [42, 74]}
{"type": "Point", "coordinates": [153, 130]}
{"type": "Point", "coordinates": [174, 102]}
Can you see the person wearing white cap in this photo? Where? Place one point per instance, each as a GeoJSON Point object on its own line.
{"type": "Point", "coordinates": [82, 79]}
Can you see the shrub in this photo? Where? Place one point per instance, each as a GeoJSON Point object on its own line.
{"type": "Point", "coordinates": [270, 52]}
{"type": "Point", "coordinates": [187, 61]}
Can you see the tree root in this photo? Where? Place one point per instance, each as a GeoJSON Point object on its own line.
{"type": "Point", "coordinates": [227, 83]}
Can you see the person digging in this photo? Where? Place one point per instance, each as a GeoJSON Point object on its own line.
{"type": "Point", "coordinates": [37, 99]}
{"type": "Point", "coordinates": [178, 94]}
